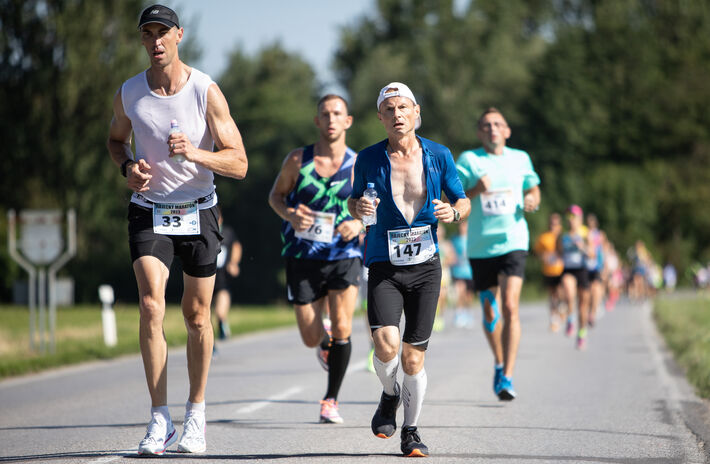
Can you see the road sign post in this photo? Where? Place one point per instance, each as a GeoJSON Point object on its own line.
{"type": "Point", "coordinates": [41, 244]}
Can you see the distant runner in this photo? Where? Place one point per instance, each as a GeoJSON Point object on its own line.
{"type": "Point", "coordinates": [575, 250]}
{"type": "Point", "coordinates": [503, 187]}
{"type": "Point", "coordinates": [552, 267]}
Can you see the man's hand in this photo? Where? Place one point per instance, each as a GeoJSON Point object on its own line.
{"type": "Point", "coordinates": [364, 207]}
{"type": "Point", "coordinates": [232, 269]}
{"type": "Point", "coordinates": [138, 175]}
{"type": "Point", "coordinates": [530, 203]}
{"type": "Point", "coordinates": [349, 229]}
{"type": "Point", "coordinates": [444, 212]}
{"type": "Point", "coordinates": [179, 144]}
{"type": "Point", "coordinates": [301, 218]}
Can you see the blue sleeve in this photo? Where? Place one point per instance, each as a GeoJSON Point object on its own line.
{"type": "Point", "coordinates": [452, 184]}
{"type": "Point", "coordinates": [359, 184]}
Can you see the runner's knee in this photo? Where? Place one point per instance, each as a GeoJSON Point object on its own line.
{"type": "Point", "coordinates": [412, 360]}
{"type": "Point", "coordinates": [152, 308]}
{"type": "Point", "coordinates": [386, 343]}
{"type": "Point", "coordinates": [341, 329]}
{"type": "Point", "coordinates": [197, 321]}
{"type": "Point", "coordinates": [489, 324]}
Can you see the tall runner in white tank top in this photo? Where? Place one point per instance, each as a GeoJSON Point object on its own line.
{"type": "Point", "coordinates": [173, 207]}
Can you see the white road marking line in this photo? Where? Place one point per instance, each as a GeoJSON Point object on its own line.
{"type": "Point", "coordinates": [113, 457]}
{"type": "Point", "coordinates": [262, 404]}
{"type": "Point", "coordinates": [358, 366]}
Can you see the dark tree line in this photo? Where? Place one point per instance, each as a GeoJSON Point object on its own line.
{"type": "Point", "coordinates": [610, 98]}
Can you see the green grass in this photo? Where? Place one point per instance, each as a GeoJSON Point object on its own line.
{"type": "Point", "coordinates": [685, 325]}
{"type": "Point", "coordinates": [79, 333]}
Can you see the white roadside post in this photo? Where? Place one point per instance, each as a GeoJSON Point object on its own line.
{"type": "Point", "coordinates": [108, 315]}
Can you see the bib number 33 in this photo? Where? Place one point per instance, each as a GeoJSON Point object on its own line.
{"type": "Point", "coordinates": [176, 218]}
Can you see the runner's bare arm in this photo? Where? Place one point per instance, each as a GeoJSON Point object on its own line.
{"type": "Point", "coordinates": [231, 159]}
{"type": "Point", "coordinates": [119, 147]}
{"type": "Point", "coordinates": [301, 217]}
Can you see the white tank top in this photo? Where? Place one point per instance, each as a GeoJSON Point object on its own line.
{"type": "Point", "coordinates": [150, 116]}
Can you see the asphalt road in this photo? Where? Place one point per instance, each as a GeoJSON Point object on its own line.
{"type": "Point", "coordinates": [620, 401]}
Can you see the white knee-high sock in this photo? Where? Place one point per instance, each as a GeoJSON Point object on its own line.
{"type": "Point", "coordinates": [413, 390]}
{"type": "Point", "coordinates": [387, 373]}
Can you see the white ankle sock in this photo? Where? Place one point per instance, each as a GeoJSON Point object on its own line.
{"type": "Point", "coordinates": [192, 408]}
{"type": "Point", "coordinates": [387, 372]}
{"type": "Point", "coordinates": [161, 411]}
{"type": "Point", "coordinates": [413, 390]}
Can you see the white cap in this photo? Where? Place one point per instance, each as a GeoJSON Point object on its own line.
{"type": "Point", "coordinates": [397, 89]}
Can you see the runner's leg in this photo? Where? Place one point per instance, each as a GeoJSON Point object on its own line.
{"type": "Point", "coordinates": [196, 302]}
{"type": "Point", "coordinates": [493, 329]}
{"type": "Point", "coordinates": [310, 322]}
{"type": "Point", "coordinates": [152, 276]}
{"type": "Point", "coordinates": [342, 307]}
{"type": "Point", "coordinates": [510, 287]}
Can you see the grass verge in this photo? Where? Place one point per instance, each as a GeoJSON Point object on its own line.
{"type": "Point", "coordinates": [685, 325]}
{"type": "Point", "coordinates": [79, 333]}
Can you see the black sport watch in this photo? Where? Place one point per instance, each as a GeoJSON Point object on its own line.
{"type": "Point", "coordinates": [124, 166]}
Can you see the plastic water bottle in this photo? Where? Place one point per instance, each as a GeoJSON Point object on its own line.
{"type": "Point", "coordinates": [370, 194]}
{"type": "Point", "coordinates": [174, 128]}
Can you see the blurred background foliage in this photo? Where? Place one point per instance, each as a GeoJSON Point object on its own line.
{"type": "Point", "coordinates": [609, 98]}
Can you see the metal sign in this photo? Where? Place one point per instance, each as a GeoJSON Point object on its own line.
{"type": "Point", "coordinates": [41, 235]}
{"type": "Point", "coordinates": [41, 245]}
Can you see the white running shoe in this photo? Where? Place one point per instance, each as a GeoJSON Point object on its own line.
{"type": "Point", "coordinates": [193, 434]}
{"type": "Point", "coordinates": [159, 437]}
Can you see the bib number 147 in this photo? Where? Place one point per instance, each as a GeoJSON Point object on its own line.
{"type": "Point", "coordinates": [410, 249]}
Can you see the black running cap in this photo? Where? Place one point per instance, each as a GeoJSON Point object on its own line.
{"type": "Point", "coordinates": [159, 14]}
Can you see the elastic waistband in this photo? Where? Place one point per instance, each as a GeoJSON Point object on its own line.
{"type": "Point", "coordinates": [141, 199]}
{"type": "Point", "coordinates": [204, 199]}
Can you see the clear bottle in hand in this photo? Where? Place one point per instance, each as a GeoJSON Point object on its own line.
{"type": "Point", "coordinates": [174, 129]}
{"type": "Point", "coordinates": [371, 195]}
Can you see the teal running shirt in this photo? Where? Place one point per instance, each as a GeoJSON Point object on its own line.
{"type": "Point", "coordinates": [497, 223]}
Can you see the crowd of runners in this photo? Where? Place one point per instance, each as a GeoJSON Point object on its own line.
{"type": "Point", "coordinates": [339, 240]}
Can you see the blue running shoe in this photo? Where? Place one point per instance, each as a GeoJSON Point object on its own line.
{"type": "Point", "coordinates": [505, 390]}
{"type": "Point", "coordinates": [497, 375]}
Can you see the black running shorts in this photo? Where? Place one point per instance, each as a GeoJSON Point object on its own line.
{"type": "Point", "coordinates": [221, 280]}
{"type": "Point", "coordinates": [581, 274]}
{"type": "Point", "coordinates": [198, 253]}
{"type": "Point", "coordinates": [414, 289]}
{"type": "Point", "coordinates": [487, 270]}
{"type": "Point", "coordinates": [594, 275]}
{"type": "Point", "coordinates": [552, 281]}
{"type": "Point", "coordinates": [308, 280]}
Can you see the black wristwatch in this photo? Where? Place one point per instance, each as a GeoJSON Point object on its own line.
{"type": "Point", "coordinates": [457, 215]}
{"type": "Point", "coordinates": [124, 166]}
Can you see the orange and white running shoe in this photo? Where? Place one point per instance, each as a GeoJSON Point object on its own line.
{"type": "Point", "coordinates": [329, 412]}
